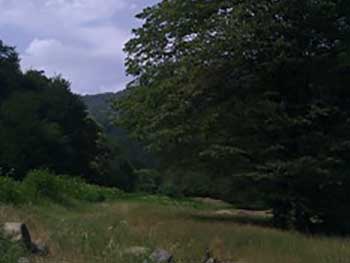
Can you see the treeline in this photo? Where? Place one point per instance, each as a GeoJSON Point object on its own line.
{"type": "Point", "coordinates": [247, 101]}
{"type": "Point", "coordinates": [43, 125]}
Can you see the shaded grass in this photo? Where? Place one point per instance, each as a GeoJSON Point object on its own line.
{"type": "Point", "coordinates": [10, 252]}
{"type": "Point", "coordinates": [101, 232]}
{"type": "Point", "coordinates": [168, 201]}
{"type": "Point", "coordinates": [238, 219]}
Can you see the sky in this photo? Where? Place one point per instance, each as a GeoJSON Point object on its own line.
{"type": "Point", "coordinates": [80, 39]}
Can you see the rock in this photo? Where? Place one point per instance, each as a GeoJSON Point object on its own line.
{"type": "Point", "coordinates": [136, 251]}
{"type": "Point", "coordinates": [40, 249]}
{"type": "Point", "coordinates": [161, 256]}
{"type": "Point", "coordinates": [208, 257]}
{"type": "Point", "coordinates": [23, 260]}
{"type": "Point", "coordinates": [18, 232]}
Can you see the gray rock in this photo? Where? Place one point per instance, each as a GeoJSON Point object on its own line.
{"type": "Point", "coordinates": [23, 260]}
{"type": "Point", "coordinates": [18, 232]}
{"type": "Point", "coordinates": [161, 256]}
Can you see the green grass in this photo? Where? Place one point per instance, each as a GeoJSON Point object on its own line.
{"type": "Point", "coordinates": [100, 232]}
{"type": "Point", "coordinates": [83, 223]}
{"type": "Point", "coordinates": [10, 252]}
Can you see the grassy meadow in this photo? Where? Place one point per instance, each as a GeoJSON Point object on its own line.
{"type": "Point", "coordinates": [100, 232]}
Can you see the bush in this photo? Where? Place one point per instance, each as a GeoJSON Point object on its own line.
{"type": "Point", "coordinates": [148, 181]}
{"type": "Point", "coordinates": [194, 183]}
{"type": "Point", "coordinates": [9, 190]}
{"type": "Point", "coordinates": [169, 189]}
{"type": "Point", "coordinates": [78, 189]}
{"type": "Point", "coordinates": [42, 184]}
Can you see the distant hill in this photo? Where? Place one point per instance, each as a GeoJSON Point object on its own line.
{"type": "Point", "coordinates": [99, 107]}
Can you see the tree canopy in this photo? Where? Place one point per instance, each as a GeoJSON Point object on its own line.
{"type": "Point", "coordinates": [248, 95]}
{"type": "Point", "coordinates": [42, 124]}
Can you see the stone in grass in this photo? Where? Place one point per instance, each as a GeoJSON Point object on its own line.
{"type": "Point", "coordinates": [18, 232]}
{"type": "Point", "coordinates": [208, 258]}
{"type": "Point", "coordinates": [40, 249]}
{"type": "Point", "coordinates": [161, 256]}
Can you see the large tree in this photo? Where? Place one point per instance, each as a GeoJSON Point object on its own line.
{"type": "Point", "coordinates": [248, 91]}
{"type": "Point", "coordinates": [42, 124]}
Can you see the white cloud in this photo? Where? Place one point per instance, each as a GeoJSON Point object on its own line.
{"type": "Point", "coordinates": [82, 39]}
{"type": "Point", "coordinates": [50, 55]}
{"type": "Point", "coordinates": [104, 40]}
{"type": "Point", "coordinates": [43, 46]}
{"type": "Point", "coordinates": [88, 71]}
{"type": "Point", "coordinates": [77, 38]}
{"type": "Point", "coordinates": [78, 11]}
{"type": "Point", "coordinates": [29, 13]}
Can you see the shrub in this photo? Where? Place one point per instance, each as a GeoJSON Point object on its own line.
{"type": "Point", "coordinates": [42, 184]}
{"type": "Point", "coordinates": [147, 181]}
{"type": "Point", "coordinates": [77, 188]}
{"type": "Point", "coordinates": [9, 190]}
{"type": "Point", "coordinates": [169, 189]}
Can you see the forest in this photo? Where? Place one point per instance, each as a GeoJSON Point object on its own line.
{"type": "Point", "coordinates": [245, 101]}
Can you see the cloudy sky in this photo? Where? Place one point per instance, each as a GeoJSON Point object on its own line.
{"type": "Point", "coordinates": [80, 39]}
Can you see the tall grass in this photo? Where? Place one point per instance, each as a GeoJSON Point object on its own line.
{"type": "Point", "coordinates": [96, 233]}
{"type": "Point", "coordinates": [101, 232]}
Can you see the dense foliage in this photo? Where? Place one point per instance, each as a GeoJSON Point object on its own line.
{"type": "Point", "coordinates": [248, 97]}
{"type": "Point", "coordinates": [42, 124]}
{"type": "Point", "coordinates": [122, 156]}
{"type": "Point", "coordinates": [40, 186]}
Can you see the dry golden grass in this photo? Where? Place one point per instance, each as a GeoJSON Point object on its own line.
{"type": "Point", "coordinates": [99, 233]}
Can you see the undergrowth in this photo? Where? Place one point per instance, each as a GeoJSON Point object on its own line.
{"type": "Point", "coordinates": [44, 186]}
